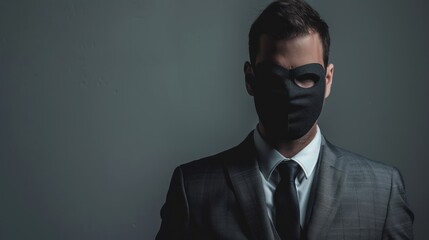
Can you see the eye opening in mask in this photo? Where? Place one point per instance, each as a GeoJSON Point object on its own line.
{"type": "Point", "coordinates": [307, 80]}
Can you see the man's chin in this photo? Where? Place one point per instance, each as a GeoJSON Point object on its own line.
{"type": "Point", "coordinates": [285, 135]}
{"type": "Point", "coordinates": [281, 135]}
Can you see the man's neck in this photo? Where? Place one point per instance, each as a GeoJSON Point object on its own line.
{"type": "Point", "coordinates": [291, 147]}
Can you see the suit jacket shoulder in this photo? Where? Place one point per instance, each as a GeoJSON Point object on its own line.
{"type": "Point", "coordinates": [362, 168]}
{"type": "Point", "coordinates": [357, 160]}
{"type": "Point", "coordinates": [237, 153]}
{"type": "Point", "coordinates": [370, 197]}
{"type": "Point", "coordinates": [204, 192]}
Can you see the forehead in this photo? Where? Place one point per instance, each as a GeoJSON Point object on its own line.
{"type": "Point", "coordinates": [292, 52]}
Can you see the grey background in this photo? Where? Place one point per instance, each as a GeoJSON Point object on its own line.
{"type": "Point", "coordinates": [100, 100]}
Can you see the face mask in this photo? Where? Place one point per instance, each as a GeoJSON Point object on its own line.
{"type": "Point", "coordinates": [288, 102]}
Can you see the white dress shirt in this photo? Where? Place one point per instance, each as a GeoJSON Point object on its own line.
{"type": "Point", "coordinates": [269, 158]}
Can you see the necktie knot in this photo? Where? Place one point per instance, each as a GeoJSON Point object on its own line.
{"type": "Point", "coordinates": [288, 170]}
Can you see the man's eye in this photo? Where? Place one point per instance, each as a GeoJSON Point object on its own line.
{"type": "Point", "coordinates": [306, 80]}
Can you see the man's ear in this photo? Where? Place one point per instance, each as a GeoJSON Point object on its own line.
{"type": "Point", "coordinates": [249, 77]}
{"type": "Point", "coordinates": [329, 77]}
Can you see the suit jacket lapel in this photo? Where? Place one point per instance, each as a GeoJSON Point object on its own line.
{"type": "Point", "coordinates": [329, 188]}
{"type": "Point", "coordinates": [245, 177]}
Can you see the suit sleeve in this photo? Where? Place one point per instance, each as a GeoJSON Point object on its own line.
{"type": "Point", "coordinates": [399, 219]}
{"type": "Point", "coordinates": [175, 212]}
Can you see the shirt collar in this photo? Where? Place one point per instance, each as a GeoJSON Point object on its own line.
{"type": "Point", "coordinates": [269, 158]}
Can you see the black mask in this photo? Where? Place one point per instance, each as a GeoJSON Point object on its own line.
{"type": "Point", "coordinates": [288, 102]}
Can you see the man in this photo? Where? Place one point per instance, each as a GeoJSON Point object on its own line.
{"type": "Point", "coordinates": [285, 181]}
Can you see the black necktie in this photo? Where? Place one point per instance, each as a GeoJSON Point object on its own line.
{"type": "Point", "coordinates": [286, 202]}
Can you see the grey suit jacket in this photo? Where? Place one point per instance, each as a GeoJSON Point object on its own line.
{"type": "Point", "coordinates": [221, 197]}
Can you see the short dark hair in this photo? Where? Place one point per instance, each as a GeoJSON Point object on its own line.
{"type": "Point", "coordinates": [286, 19]}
